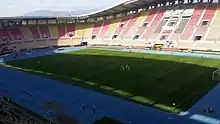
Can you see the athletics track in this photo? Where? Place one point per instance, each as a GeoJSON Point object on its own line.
{"type": "Point", "coordinates": [32, 92]}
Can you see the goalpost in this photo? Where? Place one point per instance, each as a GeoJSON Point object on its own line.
{"type": "Point", "coordinates": [216, 75]}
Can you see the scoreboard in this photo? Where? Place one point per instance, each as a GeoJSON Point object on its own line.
{"type": "Point", "coordinates": [10, 23]}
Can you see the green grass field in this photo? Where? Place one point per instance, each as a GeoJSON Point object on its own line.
{"type": "Point", "coordinates": [155, 80]}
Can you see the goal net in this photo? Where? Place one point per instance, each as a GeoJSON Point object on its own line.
{"type": "Point", "coordinates": [216, 75]}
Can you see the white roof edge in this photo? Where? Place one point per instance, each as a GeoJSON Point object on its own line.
{"type": "Point", "coordinates": [107, 8]}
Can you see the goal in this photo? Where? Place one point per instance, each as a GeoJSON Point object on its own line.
{"type": "Point", "coordinates": [216, 75]}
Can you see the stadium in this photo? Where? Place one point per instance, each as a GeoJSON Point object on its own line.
{"type": "Point", "coordinates": [136, 62]}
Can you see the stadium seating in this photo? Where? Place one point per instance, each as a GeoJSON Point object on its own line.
{"type": "Point", "coordinates": [35, 32]}
{"type": "Point", "coordinates": [53, 29]}
{"type": "Point", "coordinates": [127, 28]}
{"type": "Point", "coordinates": [79, 30]}
{"type": "Point", "coordinates": [16, 34]}
{"type": "Point", "coordinates": [137, 21]}
{"type": "Point", "coordinates": [111, 29]}
{"type": "Point", "coordinates": [149, 34]}
{"type": "Point", "coordinates": [104, 29]}
{"type": "Point", "coordinates": [70, 30]}
{"type": "Point", "coordinates": [214, 34]}
{"type": "Point", "coordinates": [96, 29]}
{"type": "Point", "coordinates": [150, 18]}
{"type": "Point", "coordinates": [62, 31]}
{"type": "Point", "coordinates": [86, 31]}
{"type": "Point", "coordinates": [4, 33]}
{"type": "Point", "coordinates": [205, 22]}
{"type": "Point", "coordinates": [189, 26]}
{"type": "Point", "coordinates": [179, 29]}
{"type": "Point", "coordinates": [26, 33]}
{"type": "Point", "coordinates": [193, 22]}
{"type": "Point", "coordinates": [159, 27]}
{"type": "Point", "coordinates": [121, 27]}
{"type": "Point", "coordinates": [44, 31]}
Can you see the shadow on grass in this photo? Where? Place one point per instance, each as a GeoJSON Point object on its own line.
{"type": "Point", "coordinates": [172, 85]}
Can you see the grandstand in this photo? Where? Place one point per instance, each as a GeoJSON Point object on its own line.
{"type": "Point", "coordinates": [187, 24]}
{"type": "Point", "coordinates": [182, 26]}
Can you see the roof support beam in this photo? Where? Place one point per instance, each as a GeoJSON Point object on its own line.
{"type": "Point", "coordinates": [172, 2]}
{"type": "Point", "coordinates": [190, 1]}
{"type": "Point", "coordinates": [180, 1]}
{"type": "Point", "coordinates": [145, 4]}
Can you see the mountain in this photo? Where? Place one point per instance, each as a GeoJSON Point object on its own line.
{"type": "Point", "coordinates": [48, 13]}
{"type": "Point", "coordinates": [80, 12]}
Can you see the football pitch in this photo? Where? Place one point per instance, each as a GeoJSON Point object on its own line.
{"type": "Point", "coordinates": [170, 83]}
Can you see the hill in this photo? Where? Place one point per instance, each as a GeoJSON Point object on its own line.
{"type": "Point", "coordinates": [50, 13]}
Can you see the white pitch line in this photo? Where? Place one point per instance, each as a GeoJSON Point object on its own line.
{"type": "Point", "coordinates": [165, 73]}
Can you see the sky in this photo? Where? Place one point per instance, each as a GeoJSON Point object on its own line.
{"type": "Point", "coordinates": [20, 7]}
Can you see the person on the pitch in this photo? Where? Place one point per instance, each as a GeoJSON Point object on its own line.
{"type": "Point", "coordinates": [94, 109]}
{"type": "Point", "coordinates": [83, 107]}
